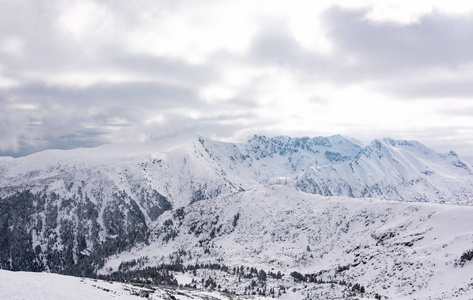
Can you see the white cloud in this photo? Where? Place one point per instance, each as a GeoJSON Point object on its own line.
{"type": "Point", "coordinates": [13, 46]}
{"type": "Point", "coordinates": [82, 19]}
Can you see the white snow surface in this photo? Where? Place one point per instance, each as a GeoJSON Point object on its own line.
{"type": "Point", "coordinates": [46, 286]}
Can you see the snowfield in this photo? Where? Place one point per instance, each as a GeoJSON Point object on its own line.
{"type": "Point", "coordinates": [45, 286]}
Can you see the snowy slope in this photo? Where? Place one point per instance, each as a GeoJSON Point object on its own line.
{"type": "Point", "coordinates": [44, 286]}
{"type": "Point", "coordinates": [395, 249]}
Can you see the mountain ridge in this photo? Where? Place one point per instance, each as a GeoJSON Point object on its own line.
{"type": "Point", "coordinates": [322, 165]}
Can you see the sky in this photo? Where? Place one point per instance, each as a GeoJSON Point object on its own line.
{"type": "Point", "coordinates": [85, 73]}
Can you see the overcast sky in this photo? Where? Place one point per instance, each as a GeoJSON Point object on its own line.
{"type": "Point", "coordinates": [84, 73]}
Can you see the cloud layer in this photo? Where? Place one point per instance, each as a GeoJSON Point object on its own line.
{"type": "Point", "coordinates": [84, 73]}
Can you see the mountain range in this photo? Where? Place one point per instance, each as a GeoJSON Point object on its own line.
{"type": "Point", "coordinates": [333, 217]}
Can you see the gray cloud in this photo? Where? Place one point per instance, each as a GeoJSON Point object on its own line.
{"type": "Point", "coordinates": [64, 113]}
{"type": "Point", "coordinates": [376, 51]}
{"type": "Point", "coordinates": [66, 117]}
{"type": "Point", "coordinates": [463, 112]}
{"type": "Point", "coordinates": [422, 60]}
{"type": "Point", "coordinates": [403, 53]}
{"type": "Point", "coordinates": [434, 88]}
{"type": "Point", "coordinates": [275, 46]}
{"type": "Point", "coordinates": [435, 41]}
{"type": "Point", "coordinates": [151, 94]}
{"type": "Point", "coordinates": [163, 67]}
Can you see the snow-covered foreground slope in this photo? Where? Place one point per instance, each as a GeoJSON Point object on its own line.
{"type": "Point", "coordinates": [394, 249]}
{"type": "Point", "coordinates": [45, 286]}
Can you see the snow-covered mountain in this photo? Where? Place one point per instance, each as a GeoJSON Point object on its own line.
{"type": "Point", "coordinates": [87, 210]}
{"type": "Point", "coordinates": [397, 170]}
{"type": "Point", "coordinates": [187, 170]}
{"type": "Point", "coordinates": [323, 246]}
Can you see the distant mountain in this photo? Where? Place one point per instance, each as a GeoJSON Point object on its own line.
{"type": "Point", "coordinates": [183, 171]}
{"type": "Point", "coordinates": [71, 211]}
{"type": "Point", "coordinates": [397, 170]}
